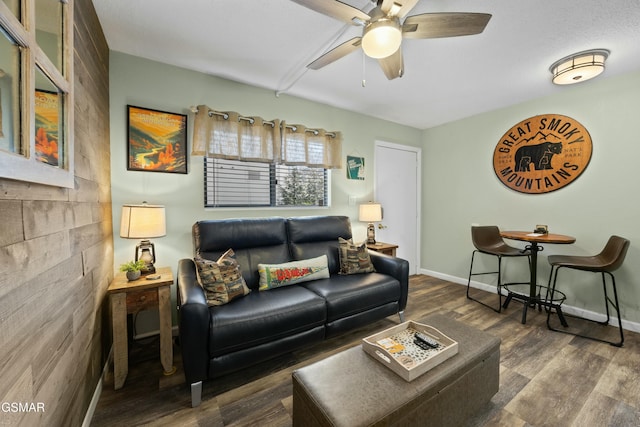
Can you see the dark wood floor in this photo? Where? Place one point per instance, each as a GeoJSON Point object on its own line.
{"type": "Point", "coordinates": [546, 378]}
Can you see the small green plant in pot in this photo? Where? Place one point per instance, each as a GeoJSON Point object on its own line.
{"type": "Point", "coordinates": [132, 268]}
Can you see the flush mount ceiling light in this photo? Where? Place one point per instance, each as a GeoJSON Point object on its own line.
{"type": "Point", "coordinates": [579, 67]}
{"type": "Point", "coordinates": [382, 38]}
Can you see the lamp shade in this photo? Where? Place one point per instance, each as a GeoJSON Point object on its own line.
{"type": "Point", "coordinates": [370, 212]}
{"type": "Point", "coordinates": [579, 67]}
{"type": "Point", "coordinates": [143, 221]}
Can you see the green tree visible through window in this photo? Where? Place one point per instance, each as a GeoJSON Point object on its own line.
{"type": "Point", "coordinates": [300, 189]}
{"type": "Point", "coordinates": [240, 183]}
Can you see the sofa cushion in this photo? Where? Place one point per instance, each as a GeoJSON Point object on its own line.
{"type": "Point", "coordinates": [313, 236]}
{"type": "Point", "coordinates": [289, 273]}
{"type": "Point", "coordinates": [262, 317]}
{"type": "Point", "coordinates": [354, 259]}
{"type": "Point", "coordinates": [352, 294]}
{"type": "Point", "coordinates": [222, 279]}
{"type": "Point", "coordinates": [254, 241]}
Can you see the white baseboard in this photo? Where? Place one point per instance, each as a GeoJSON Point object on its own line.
{"type": "Point", "coordinates": [576, 311]}
{"type": "Point", "coordinates": [97, 392]}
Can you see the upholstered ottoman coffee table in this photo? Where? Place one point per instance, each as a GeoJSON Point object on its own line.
{"type": "Point", "coordinates": [352, 389]}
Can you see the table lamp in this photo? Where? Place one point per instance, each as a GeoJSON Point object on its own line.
{"type": "Point", "coordinates": [143, 222]}
{"type": "Point", "coordinates": [370, 212]}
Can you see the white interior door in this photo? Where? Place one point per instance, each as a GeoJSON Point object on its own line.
{"type": "Point", "coordinates": [397, 188]}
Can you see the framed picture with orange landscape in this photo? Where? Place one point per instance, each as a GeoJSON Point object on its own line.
{"type": "Point", "coordinates": [47, 123]}
{"type": "Point", "coordinates": [156, 140]}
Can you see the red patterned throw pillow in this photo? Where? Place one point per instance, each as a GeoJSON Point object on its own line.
{"type": "Point", "coordinates": [278, 275]}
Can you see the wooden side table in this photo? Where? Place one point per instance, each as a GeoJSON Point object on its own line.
{"type": "Point", "coordinates": [131, 297]}
{"type": "Point", "coordinates": [385, 248]}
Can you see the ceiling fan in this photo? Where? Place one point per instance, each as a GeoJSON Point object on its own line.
{"type": "Point", "coordinates": [383, 30]}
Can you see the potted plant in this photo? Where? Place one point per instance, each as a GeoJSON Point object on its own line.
{"type": "Point", "coordinates": [132, 268]}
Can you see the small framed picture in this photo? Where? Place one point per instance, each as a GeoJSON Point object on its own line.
{"type": "Point", "coordinates": [156, 141]}
{"type": "Point", "coordinates": [47, 109]}
{"type": "Point", "coordinates": [355, 167]}
{"type": "Point", "coordinates": [542, 229]}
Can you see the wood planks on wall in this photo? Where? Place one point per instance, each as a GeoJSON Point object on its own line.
{"type": "Point", "coordinates": [56, 260]}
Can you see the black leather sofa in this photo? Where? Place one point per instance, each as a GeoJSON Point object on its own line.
{"type": "Point", "coordinates": [264, 324]}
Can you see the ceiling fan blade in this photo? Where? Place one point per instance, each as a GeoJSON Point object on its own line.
{"type": "Point", "coordinates": [434, 25]}
{"type": "Point", "coordinates": [399, 7]}
{"type": "Point", "coordinates": [393, 66]}
{"type": "Point", "coordinates": [336, 9]}
{"type": "Point", "coordinates": [336, 53]}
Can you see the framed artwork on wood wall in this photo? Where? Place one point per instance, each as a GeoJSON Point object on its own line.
{"type": "Point", "coordinates": [156, 140]}
{"type": "Point", "coordinates": [47, 116]}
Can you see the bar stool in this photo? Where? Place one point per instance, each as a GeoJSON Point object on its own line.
{"type": "Point", "coordinates": [607, 261]}
{"type": "Point", "coordinates": [487, 240]}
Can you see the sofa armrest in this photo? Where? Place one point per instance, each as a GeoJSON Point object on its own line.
{"type": "Point", "coordinates": [193, 322]}
{"type": "Point", "coordinates": [397, 268]}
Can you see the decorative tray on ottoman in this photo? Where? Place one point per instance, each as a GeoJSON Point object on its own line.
{"type": "Point", "coordinates": [396, 349]}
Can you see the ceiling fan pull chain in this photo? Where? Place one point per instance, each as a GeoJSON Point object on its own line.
{"type": "Point", "coordinates": [364, 70]}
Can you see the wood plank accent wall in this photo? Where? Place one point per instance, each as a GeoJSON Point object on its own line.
{"type": "Point", "coordinates": [56, 260]}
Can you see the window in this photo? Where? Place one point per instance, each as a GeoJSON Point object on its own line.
{"type": "Point", "coordinates": [252, 162]}
{"type": "Point", "coordinates": [237, 183]}
{"type": "Point", "coordinates": [36, 100]}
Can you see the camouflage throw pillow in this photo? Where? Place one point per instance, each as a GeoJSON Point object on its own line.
{"type": "Point", "coordinates": [354, 259]}
{"type": "Point", "coordinates": [221, 280]}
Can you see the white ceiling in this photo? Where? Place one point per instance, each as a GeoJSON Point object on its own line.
{"type": "Point", "coordinates": [268, 43]}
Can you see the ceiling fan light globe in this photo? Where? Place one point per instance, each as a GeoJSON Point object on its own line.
{"type": "Point", "coordinates": [382, 38]}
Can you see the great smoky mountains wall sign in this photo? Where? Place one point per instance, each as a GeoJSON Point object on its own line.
{"type": "Point", "coordinates": [542, 154]}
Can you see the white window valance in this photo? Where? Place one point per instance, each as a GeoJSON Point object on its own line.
{"type": "Point", "coordinates": [228, 135]}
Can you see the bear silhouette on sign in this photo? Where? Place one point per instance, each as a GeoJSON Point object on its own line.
{"type": "Point", "coordinates": [538, 155]}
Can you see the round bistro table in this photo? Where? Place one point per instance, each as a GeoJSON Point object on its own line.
{"type": "Point", "coordinates": [533, 297]}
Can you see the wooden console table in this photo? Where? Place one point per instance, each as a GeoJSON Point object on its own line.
{"type": "Point", "coordinates": [131, 297]}
{"type": "Point", "coordinates": [385, 248]}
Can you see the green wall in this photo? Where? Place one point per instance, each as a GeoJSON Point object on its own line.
{"type": "Point", "coordinates": [460, 188]}
{"type": "Point", "coordinates": [459, 185]}
{"type": "Point", "coordinates": [149, 84]}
